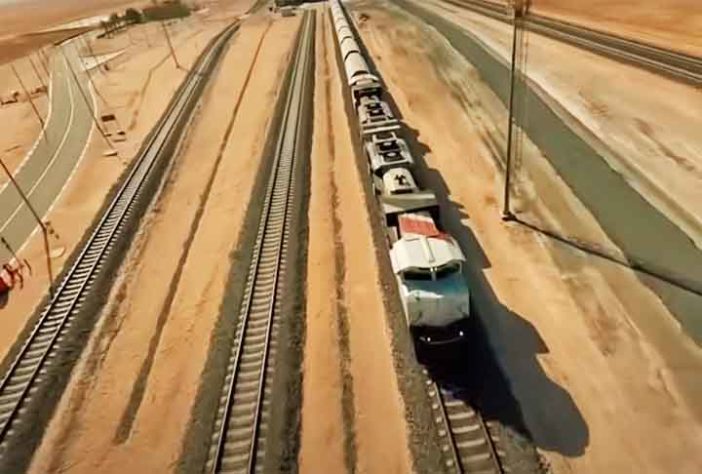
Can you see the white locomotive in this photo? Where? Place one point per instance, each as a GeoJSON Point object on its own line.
{"type": "Point", "coordinates": [427, 261]}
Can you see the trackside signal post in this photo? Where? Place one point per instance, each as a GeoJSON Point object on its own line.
{"type": "Point", "coordinates": [519, 9]}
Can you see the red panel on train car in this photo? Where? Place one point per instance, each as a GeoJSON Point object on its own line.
{"type": "Point", "coordinates": [418, 224]}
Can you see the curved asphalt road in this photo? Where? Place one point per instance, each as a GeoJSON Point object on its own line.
{"type": "Point", "coordinates": [44, 173]}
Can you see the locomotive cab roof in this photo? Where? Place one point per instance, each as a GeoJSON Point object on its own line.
{"type": "Point", "coordinates": [423, 245]}
{"type": "Point", "coordinates": [419, 252]}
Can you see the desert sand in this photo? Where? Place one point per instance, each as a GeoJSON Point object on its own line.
{"type": "Point", "coordinates": [601, 389]}
{"type": "Point", "coordinates": [322, 411]}
{"type": "Point", "coordinates": [130, 92]}
{"type": "Point", "coordinates": [652, 139]}
{"type": "Point", "coordinates": [27, 16]}
{"type": "Point", "coordinates": [170, 291]}
{"type": "Point", "coordinates": [672, 24]}
{"type": "Point", "coordinates": [22, 23]}
{"type": "Point", "coordinates": [343, 276]}
{"type": "Point", "coordinates": [675, 24]}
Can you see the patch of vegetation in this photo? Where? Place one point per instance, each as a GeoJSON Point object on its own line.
{"type": "Point", "coordinates": [166, 10]}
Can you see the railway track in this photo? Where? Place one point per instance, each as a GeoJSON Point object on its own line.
{"type": "Point", "coordinates": [23, 384]}
{"type": "Point", "coordinates": [241, 424]}
{"type": "Point", "coordinates": [680, 66]}
{"type": "Point", "coordinates": [467, 444]}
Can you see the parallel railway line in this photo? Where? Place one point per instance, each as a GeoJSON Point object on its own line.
{"type": "Point", "coordinates": [24, 383]}
{"type": "Point", "coordinates": [241, 424]}
{"type": "Point", "coordinates": [677, 65]}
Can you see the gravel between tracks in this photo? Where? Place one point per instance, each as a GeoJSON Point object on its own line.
{"type": "Point", "coordinates": [197, 440]}
{"type": "Point", "coordinates": [424, 443]}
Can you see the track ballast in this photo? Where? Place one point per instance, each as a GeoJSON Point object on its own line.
{"type": "Point", "coordinates": [25, 380]}
{"type": "Point", "coordinates": [241, 425]}
{"type": "Point", "coordinates": [674, 64]}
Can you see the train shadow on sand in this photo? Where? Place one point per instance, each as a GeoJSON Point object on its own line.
{"type": "Point", "coordinates": [471, 371]}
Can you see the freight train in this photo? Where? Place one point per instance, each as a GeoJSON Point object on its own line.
{"type": "Point", "coordinates": [426, 260]}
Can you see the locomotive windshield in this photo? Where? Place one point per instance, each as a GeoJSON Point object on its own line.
{"type": "Point", "coordinates": [433, 273]}
{"type": "Point", "coordinates": [447, 270]}
{"type": "Point", "coordinates": [418, 274]}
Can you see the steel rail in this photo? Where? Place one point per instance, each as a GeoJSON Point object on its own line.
{"type": "Point", "coordinates": [469, 446]}
{"type": "Point", "coordinates": [23, 378]}
{"type": "Point", "coordinates": [675, 64]}
{"type": "Point", "coordinates": [238, 431]}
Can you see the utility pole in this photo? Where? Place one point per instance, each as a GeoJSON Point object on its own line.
{"type": "Point", "coordinates": [519, 8]}
{"type": "Point", "coordinates": [170, 46]}
{"type": "Point", "coordinates": [92, 82]}
{"type": "Point", "coordinates": [86, 41]}
{"type": "Point", "coordinates": [44, 229]}
{"type": "Point", "coordinates": [90, 76]}
{"type": "Point", "coordinates": [146, 35]}
{"type": "Point", "coordinates": [29, 97]}
{"type": "Point", "coordinates": [44, 60]}
{"type": "Point", "coordinates": [85, 98]}
{"type": "Point", "coordinates": [36, 73]}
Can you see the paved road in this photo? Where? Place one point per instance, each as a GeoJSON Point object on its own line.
{"type": "Point", "coordinates": [46, 170]}
{"type": "Point", "coordinates": [651, 242]}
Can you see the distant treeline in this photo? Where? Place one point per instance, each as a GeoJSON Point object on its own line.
{"type": "Point", "coordinates": [166, 10]}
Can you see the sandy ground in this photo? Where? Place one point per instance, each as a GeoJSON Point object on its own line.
{"type": "Point", "coordinates": [130, 92]}
{"type": "Point", "coordinates": [674, 24]}
{"type": "Point", "coordinates": [172, 287]}
{"type": "Point", "coordinates": [22, 22]}
{"type": "Point", "coordinates": [27, 16]}
{"type": "Point", "coordinates": [652, 139]}
{"type": "Point", "coordinates": [379, 428]}
{"type": "Point", "coordinates": [605, 379]}
{"type": "Point", "coordinates": [21, 125]}
{"type": "Point", "coordinates": [140, 83]}
{"type": "Point", "coordinates": [15, 47]}
{"type": "Point", "coordinates": [322, 417]}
